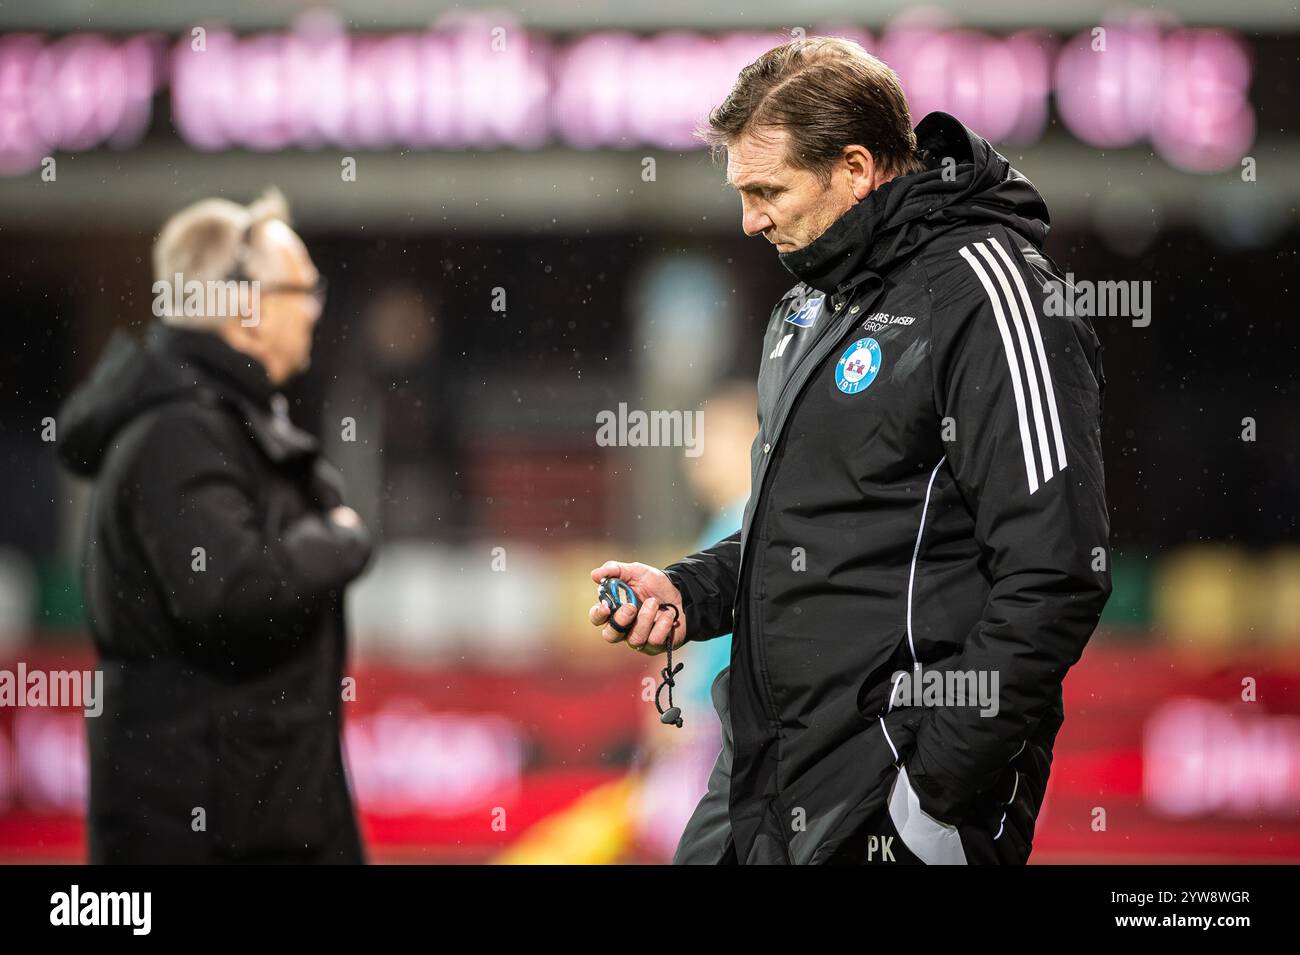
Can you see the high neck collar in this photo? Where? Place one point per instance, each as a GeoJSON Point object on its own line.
{"type": "Point", "coordinates": [240, 382]}
{"type": "Point", "coordinates": [233, 372]}
{"type": "Point", "coordinates": [964, 181]}
{"type": "Point", "coordinates": [841, 256]}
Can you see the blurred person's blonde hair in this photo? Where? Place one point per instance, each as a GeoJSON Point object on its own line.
{"type": "Point", "coordinates": [213, 240]}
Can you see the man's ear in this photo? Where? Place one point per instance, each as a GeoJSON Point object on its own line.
{"type": "Point", "coordinates": [861, 168]}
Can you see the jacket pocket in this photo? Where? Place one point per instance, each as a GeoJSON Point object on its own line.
{"type": "Point", "coordinates": [931, 841]}
{"type": "Point", "coordinates": [278, 787]}
{"type": "Point", "coordinates": [843, 790]}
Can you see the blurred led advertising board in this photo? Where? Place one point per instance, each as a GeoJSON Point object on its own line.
{"type": "Point", "coordinates": [480, 82]}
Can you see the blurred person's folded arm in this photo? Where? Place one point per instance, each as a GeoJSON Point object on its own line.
{"type": "Point", "coordinates": [708, 582]}
{"type": "Point", "coordinates": [1042, 529]}
{"type": "Point", "coordinates": [190, 492]}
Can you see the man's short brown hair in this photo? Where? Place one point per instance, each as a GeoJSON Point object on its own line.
{"type": "Point", "coordinates": [827, 93]}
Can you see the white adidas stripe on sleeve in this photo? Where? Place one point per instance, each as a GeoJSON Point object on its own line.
{"type": "Point", "coordinates": [1040, 426]}
{"type": "Point", "coordinates": [1042, 354]}
{"type": "Point", "coordinates": [1034, 359]}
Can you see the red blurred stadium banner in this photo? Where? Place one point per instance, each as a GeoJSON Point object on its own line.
{"type": "Point", "coordinates": [1163, 757]}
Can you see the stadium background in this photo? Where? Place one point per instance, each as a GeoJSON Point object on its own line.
{"type": "Point", "coordinates": [547, 156]}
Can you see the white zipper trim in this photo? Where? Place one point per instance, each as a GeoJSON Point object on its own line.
{"type": "Point", "coordinates": [916, 552]}
{"type": "Point", "coordinates": [893, 691]}
{"type": "Point", "coordinates": [1014, 789]}
{"type": "Point", "coordinates": [885, 730]}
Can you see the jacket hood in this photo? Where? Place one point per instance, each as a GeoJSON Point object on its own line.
{"type": "Point", "coordinates": [129, 379]}
{"type": "Point", "coordinates": [965, 181]}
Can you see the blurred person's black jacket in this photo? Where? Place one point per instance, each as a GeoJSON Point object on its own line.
{"type": "Point", "coordinates": [214, 589]}
{"type": "Point", "coordinates": [927, 492]}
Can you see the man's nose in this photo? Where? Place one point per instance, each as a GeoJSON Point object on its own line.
{"type": "Point", "coordinates": [753, 221]}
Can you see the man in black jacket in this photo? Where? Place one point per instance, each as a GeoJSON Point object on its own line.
{"type": "Point", "coordinates": [218, 549]}
{"type": "Point", "coordinates": [925, 549]}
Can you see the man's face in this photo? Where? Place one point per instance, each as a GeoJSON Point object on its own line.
{"type": "Point", "coordinates": [288, 309]}
{"type": "Point", "coordinates": [789, 206]}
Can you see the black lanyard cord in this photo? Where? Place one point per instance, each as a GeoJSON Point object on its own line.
{"type": "Point", "coordinates": [673, 715]}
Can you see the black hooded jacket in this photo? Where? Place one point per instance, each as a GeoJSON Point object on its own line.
{"type": "Point", "coordinates": [214, 590]}
{"type": "Point", "coordinates": [927, 491]}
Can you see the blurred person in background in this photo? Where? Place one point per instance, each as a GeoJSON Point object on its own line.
{"type": "Point", "coordinates": [217, 552]}
{"type": "Point", "coordinates": [407, 380]}
{"type": "Point", "coordinates": [927, 490]}
{"type": "Point", "coordinates": [648, 807]}
{"type": "Point", "coordinates": [678, 774]}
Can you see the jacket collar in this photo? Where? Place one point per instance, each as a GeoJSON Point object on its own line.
{"type": "Point", "coordinates": [842, 256]}
{"type": "Point", "coordinates": [964, 181]}
{"type": "Point", "coordinates": [230, 377]}
{"type": "Point", "coordinates": [230, 373]}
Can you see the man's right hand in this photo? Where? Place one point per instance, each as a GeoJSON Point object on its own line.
{"type": "Point", "coordinates": [653, 589]}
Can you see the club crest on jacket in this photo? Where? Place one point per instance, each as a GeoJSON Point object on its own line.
{"type": "Point", "coordinates": [858, 366]}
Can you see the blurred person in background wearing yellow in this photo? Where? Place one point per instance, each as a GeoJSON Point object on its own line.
{"type": "Point", "coordinates": [927, 491]}
{"type": "Point", "coordinates": [217, 551]}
